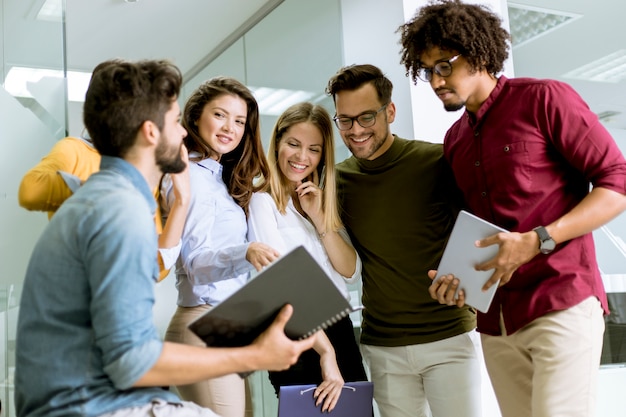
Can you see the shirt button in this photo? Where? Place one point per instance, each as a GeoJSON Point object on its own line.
{"type": "Point", "coordinates": [476, 133]}
{"type": "Point", "coordinates": [477, 163]}
{"type": "Point", "coordinates": [483, 194]}
{"type": "Point", "coordinates": [507, 148]}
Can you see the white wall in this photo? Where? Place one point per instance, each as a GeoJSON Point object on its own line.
{"type": "Point", "coordinates": [430, 119]}
{"type": "Point", "coordinates": [369, 38]}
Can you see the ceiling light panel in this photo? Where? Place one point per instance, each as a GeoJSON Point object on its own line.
{"type": "Point", "coordinates": [20, 81]}
{"type": "Point", "coordinates": [274, 101]}
{"type": "Point", "coordinates": [528, 23]}
{"type": "Point", "coordinates": [51, 11]}
{"type": "Point", "coordinates": [608, 69]}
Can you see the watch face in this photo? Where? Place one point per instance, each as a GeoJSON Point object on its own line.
{"type": "Point", "coordinates": [547, 246]}
{"type": "Point", "coordinates": [546, 243]}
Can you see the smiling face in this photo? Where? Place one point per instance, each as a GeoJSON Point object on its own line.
{"type": "Point", "coordinates": [222, 124]}
{"type": "Point", "coordinates": [300, 151]}
{"type": "Point", "coordinates": [365, 142]}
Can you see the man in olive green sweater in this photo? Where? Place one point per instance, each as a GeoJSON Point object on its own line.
{"type": "Point", "coordinates": [398, 201]}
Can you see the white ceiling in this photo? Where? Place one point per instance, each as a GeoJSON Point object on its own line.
{"type": "Point", "coordinates": [185, 31]}
{"type": "Point", "coordinates": [193, 32]}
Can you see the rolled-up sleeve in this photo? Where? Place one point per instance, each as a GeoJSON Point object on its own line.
{"type": "Point", "coordinates": [581, 138]}
{"type": "Point", "coordinates": [121, 271]}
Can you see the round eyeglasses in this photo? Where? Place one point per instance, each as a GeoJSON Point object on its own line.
{"type": "Point", "coordinates": [365, 119]}
{"type": "Point", "coordinates": [441, 68]}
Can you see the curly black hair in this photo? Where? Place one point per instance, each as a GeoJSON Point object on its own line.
{"type": "Point", "coordinates": [471, 30]}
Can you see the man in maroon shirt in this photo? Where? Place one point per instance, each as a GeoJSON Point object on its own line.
{"type": "Point", "coordinates": [524, 153]}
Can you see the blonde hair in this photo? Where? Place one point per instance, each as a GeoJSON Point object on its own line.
{"type": "Point", "coordinates": [279, 187]}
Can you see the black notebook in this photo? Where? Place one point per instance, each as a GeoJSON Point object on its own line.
{"type": "Point", "coordinates": [296, 279]}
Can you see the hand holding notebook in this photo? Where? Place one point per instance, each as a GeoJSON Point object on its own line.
{"type": "Point", "coordinates": [294, 279]}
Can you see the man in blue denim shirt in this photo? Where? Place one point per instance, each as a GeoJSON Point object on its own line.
{"type": "Point", "coordinates": [86, 342]}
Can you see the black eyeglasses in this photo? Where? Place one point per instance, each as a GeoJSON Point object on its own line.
{"type": "Point", "coordinates": [366, 119]}
{"type": "Point", "coordinates": [441, 68]}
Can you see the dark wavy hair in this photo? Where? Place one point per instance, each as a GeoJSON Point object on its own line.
{"type": "Point", "coordinates": [247, 161]}
{"type": "Point", "coordinates": [471, 30]}
{"type": "Point", "coordinates": [353, 77]}
{"type": "Point", "coordinates": [122, 95]}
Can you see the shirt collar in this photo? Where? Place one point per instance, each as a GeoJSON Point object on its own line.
{"type": "Point", "coordinates": [128, 171]}
{"type": "Point", "coordinates": [493, 96]}
{"type": "Point", "coordinates": [208, 163]}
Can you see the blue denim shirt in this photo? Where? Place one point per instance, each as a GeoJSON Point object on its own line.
{"type": "Point", "coordinates": [85, 331]}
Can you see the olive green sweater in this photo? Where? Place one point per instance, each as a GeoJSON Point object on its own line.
{"type": "Point", "coordinates": [399, 210]}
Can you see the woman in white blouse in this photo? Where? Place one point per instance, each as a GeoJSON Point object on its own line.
{"type": "Point", "coordinates": [297, 206]}
{"type": "Point", "coordinates": [226, 155]}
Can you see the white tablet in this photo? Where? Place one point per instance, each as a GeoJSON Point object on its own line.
{"type": "Point", "coordinates": [461, 256]}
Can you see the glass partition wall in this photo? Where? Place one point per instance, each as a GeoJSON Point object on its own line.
{"type": "Point", "coordinates": [611, 251]}
{"type": "Point", "coordinates": [38, 110]}
{"type": "Point", "coordinates": [284, 59]}
{"type": "Point", "coordinates": [34, 116]}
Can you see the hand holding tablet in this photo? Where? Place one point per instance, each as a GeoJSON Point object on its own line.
{"type": "Point", "coordinates": [461, 256]}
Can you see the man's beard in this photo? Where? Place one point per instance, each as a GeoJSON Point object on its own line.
{"type": "Point", "coordinates": [169, 164]}
{"type": "Point", "coordinates": [451, 106]}
{"type": "Point", "coordinates": [377, 143]}
{"type": "Point", "coordinates": [454, 106]}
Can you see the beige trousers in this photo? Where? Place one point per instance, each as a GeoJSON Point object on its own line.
{"type": "Point", "coordinates": [436, 379]}
{"type": "Point", "coordinates": [550, 367]}
{"type": "Point", "coordinates": [228, 396]}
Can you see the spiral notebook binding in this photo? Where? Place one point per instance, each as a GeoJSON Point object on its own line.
{"type": "Point", "coordinates": [328, 322]}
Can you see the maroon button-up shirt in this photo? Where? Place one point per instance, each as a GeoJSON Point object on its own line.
{"type": "Point", "coordinates": [525, 159]}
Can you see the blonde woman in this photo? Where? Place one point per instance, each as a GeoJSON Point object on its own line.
{"type": "Point", "coordinates": [297, 206]}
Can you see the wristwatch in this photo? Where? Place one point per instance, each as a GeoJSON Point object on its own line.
{"type": "Point", "coordinates": [546, 243]}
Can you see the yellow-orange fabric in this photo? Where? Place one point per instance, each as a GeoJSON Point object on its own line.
{"type": "Point", "coordinates": [43, 189]}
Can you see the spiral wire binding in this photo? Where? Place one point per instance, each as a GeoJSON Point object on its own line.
{"type": "Point", "coordinates": [328, 322]}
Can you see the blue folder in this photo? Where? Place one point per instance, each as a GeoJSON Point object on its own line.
{"type": "Point", "coordinates": [298, 401]}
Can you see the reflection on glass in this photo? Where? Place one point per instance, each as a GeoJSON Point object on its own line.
{"type": "Point", "coordinates": [33, 60]}
{"type": "Point", "coordinates": [610, 243]}
{"type": "Point", "coordinates": [611, 253]}
{"type": "Point", "coordinates": [9, 298]}
{"type": "Point", "coordinates": [614, 348]}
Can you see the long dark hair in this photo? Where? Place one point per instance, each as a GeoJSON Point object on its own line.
{"type": "Point", "coordinates": [247, 161]}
